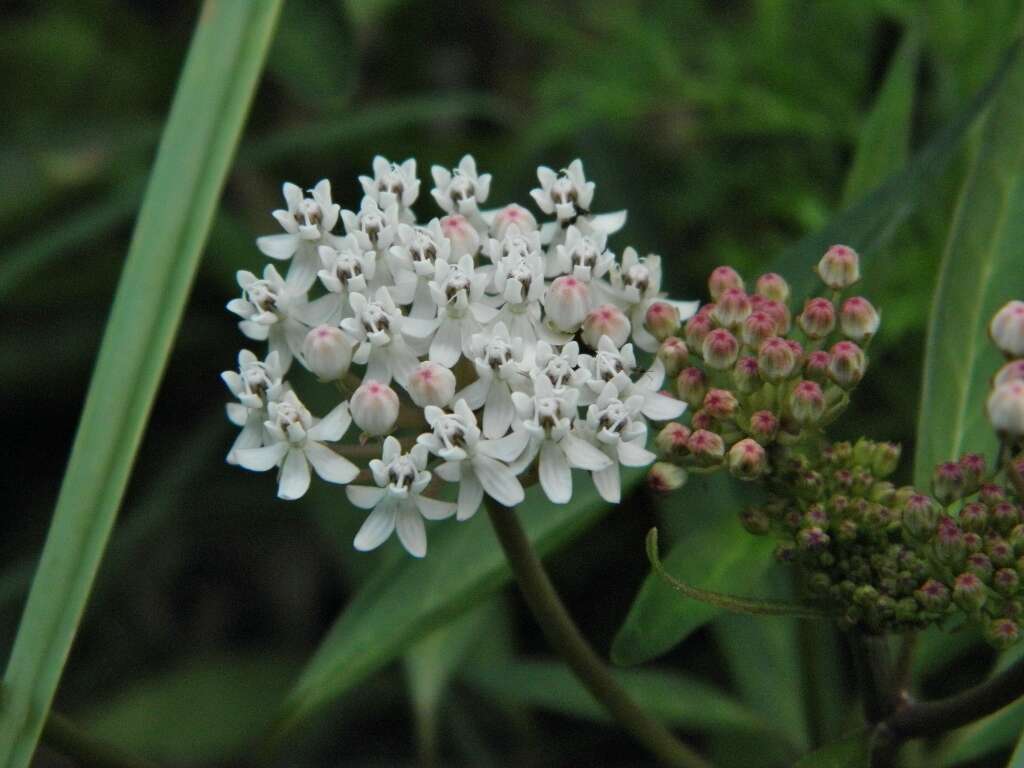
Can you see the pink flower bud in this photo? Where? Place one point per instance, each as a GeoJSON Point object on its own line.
{"type": "Point", "coordinates": [607, 320]}
{"type": "Point", "coordinates": [858, 318]}
{"type": "Point", "coordinates": [818, 319]}
{"type": "Point", "coordinates": [697, 328]}
{"type": "Point", "coordinates": [1002, 633]}
{"type": "Point", "coordinates": [933, 596]}
{"type": "Point", "coordinates": [807, 403]}
{"type": "Point", "coordinates": [920, 516]}
{"type": "Point", "coordinates": [764, 426]}
{"type": "Point", "coordinates": [775, 359]}
{"type": "Point", "coordinates": [816, 366]}
{"type": "Point", "coordinates": [701, 419]}
{"type": "Point", "coordinates": [776, 310]}
{"type": "Point", "coordinates": [513, 214]}
{"type": "Point", "coordinates": [565, 303]}
{"type": "Point", "coordinates": [758, 327]}
{"type": "Point", "coordinates": [746, 375]}
{"type": "Point", "coordinates": [839, 268]}
{"type": "Point", "coordinates": [673, 354]}
{"type": "Point", "coordinates": [732, 308]}
{"type": "Point", "coordinates": [1006, 408]}
{"type": "Point", "coordinates": [692, 385]}
{"type": "Point", "coordinates": [661, 320]}
{"type": "Point", "coordinates": [773, 286]}
{"type": "Point", "coordinates": [973, 466]}
{"type": "Point", "coordinates": [969, 591]}
{"type": "Point", "coordinates": [706, 446]}
{"type": "Point", "coordinates": [974, 517]}
{"type": "Point", "coordinates": [720, 349]}
{"type": "Point", "coordinates": [374, 408]}
{"type": "Point", "coordinates": [948, 482]}
{"type": "Point", "coordinates": [1012, 371]}
{"type": "Point", "coordinates": [747, 460]}
{"type": "Point", "coordinates": [847, 366]}
{"type": "Point", "coordinates": [722, 279]}
{"type": "Point", "coordinates": [720, 404]}
{"type": "Point", "coordinates": [671, 440]}
{"type": "Point", "coordinates": [431, 384]}
{"type": "Point", "coordinates": [665, 478]}
{"type": "Point", "coordinates": [1007, 329]}
{"type": "Point", "coordinates": [463, 236]}
{"type": "Point", "coordinates": [327, 352]}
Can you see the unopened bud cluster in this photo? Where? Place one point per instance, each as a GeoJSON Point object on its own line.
{"type": "Point", "coordinates": [1006, 399]}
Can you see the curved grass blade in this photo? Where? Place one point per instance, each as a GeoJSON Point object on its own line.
{"type": "Point", "coordinates": [981, 269]}
{"type": "Point", "coordinates": [206, 118]}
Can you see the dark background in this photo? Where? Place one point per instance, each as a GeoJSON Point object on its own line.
{"type": "Point", "coordinates": [727, 130]}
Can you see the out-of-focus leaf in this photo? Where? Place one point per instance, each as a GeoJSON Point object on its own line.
{"type": "Point", "coordinates": [885, 136]}
{"type": "Point", "coordinates": [981, 269]}
{"type": "Point", "coordinates": [938, 648]}
{"type": "Point", "coordinates": [851, 752]}
{"type": "Point", "coordinates": [202, 710]}
{"type": "Point", "coordinates": [314, 53]}
{"type": "Point", "coordinates": [869, 224]}
{"type": "Point", "coordinates": [675, 699]}
{"type": "Point", "coordinates": [210, 105]}
{"type": "Point", "coordinates": [408, 598]}
{"type": "Point", "coordinates": [713, 553]}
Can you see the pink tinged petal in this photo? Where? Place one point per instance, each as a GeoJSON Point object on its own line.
{"type": "Point", "coordinates": [333, 426]}
{"type": "Point", "coordinates": [261, 459]}
{"type": "Point", "coordinates": [498, 410]}
{"type": "Point", "coordinates": [433, 509]}
{"type": "Point", "coordinates": [609, 484]}
{"type": "Point", "coordinates": [376, 528]}
{"type": "Point", "coordinates": [582, 454]}
{"type": "Point", "coordinates": [410, 529]}
{"type": "Point", "coordinates": [471, 495]}
{"type": "Point", "coordinates": [499, 481]}
{"type": "Point", "coordinates": [329, 465]}
{"type": "Point", "coordinates": [634, 454]}
{"type": "Point", "coordinates": [508, 448]}
{"type": "Point", "coordinates": [555, 475]}
{"type": "Point", "coordinates": [659, 407]}
{"type": "Point", "coordinates": [293, 482]}
{"type": "Point", "coordinates": [281, 246]}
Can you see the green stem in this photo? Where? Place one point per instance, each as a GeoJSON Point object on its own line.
{"type": "Point", "coordinates": [874, 668]}
{"type": "Point", "coordinates": [65, 737]}
{"type": "Point", "coordinates": [563, 635]}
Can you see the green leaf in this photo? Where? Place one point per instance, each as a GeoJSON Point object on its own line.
{"type": "Point", "coordinates": [213, 97]}
{"type": "Point", "coordinates": [715, 553]}
{"type": "Point", "coordinates": [675, 699]}
{"type": "Point", "coordinates": [852, 752]}
{"type": "Point", "coordinates": [870, 224]}
{"type": "Point", "coordinates": [885, 136]}
{"type": "Point", "coordinates": [408, 598]}
{"type": "Point", "coordinates": [201, 710]}
{"type": "Point", "coordinates": [981, 269]}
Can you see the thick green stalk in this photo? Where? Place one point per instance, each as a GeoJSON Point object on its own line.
{"type": "Point", "coordinates": [563, 635]}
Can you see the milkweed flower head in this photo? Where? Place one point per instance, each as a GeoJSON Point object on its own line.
{"type": "Point", "coordinates": [478, 350]}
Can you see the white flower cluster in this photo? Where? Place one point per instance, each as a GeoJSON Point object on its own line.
{"type": "Point", "coordinates": [512, 341]}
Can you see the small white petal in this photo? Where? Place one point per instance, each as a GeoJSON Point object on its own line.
{"type": "Point", "coordinates": [582, 454]}
{"type": "Point", "coordinates": [508, 448]}
{"type": "Point", "coordinates": [609, 483]}
{"type": "Point", "coordinates": [376, 528]}
{"type": "Point", "coordinates": [261, 459]}
{"type": "Point", "coordinates": [498, 410]}
{"type": "Point", "coordinates": [365, 496]}
{"type": "Point", "coordinates": [281, 246]}
{"type": "Point", "coordinates": [499, 481]}
{"type": "Point", "coordinates": [434, 509]}
{"type": "Point", "coordinates": [329, 465]}
{"type": "Point", "coordinates": [333, 426]}
{"type": "Point", "coordinates": [555, 475]}
{"type": "Point", "coordinates": [659, 407]}
{"type": "Point", "coordinates": [294, 479]}
{"type": "Point", "coordinates": [634, 454]}
{"type": "Point", "coordinates": [410, 529]}
{"type": "Point", "coordinates": [471, 495]}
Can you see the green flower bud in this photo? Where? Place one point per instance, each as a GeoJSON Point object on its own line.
{"type": "Point", "coordinates": [807, 403]}
{"type": "Point", "coordinates": [755, 520]}
{"type": "Point", "coordinates": [747, 460]}
{"type": "Point", "coordinates": [1002, 633]}
{"type": "Point", "coordinates": [973, 467]}
{"type": "Point", "coordinates": [886, 459]}
{"type": "Point", "coordinates": [812, 539]}
{"type": "Point", "coordinates": [692, 386]}
{"type": "Point", "coordinates": [746, 375]}
{"type": "Point", "coordinates": [1000, 551]}
{"type": "Point", "coordinates": [948, 482]}
{"type": "Point", "coordinates": [920, 516]}
{"type": "Point", "coordinates": [933, 596]}
{"type": "Point", "coordinates": [974, 517]}
{"type": "Point", "coordinates": [1005, 516]}
{"type": "Point", "coordinates": [665, 478]}
{"type": "Point", "coordinates": [969, 592]}
{"type": "Point", "coordinates": [980, 565]}
{"type": "Point", "coordinates": [1006, 582]}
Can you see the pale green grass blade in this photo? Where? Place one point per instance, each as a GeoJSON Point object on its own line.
{"type": "Point", "coordinates": [982, 268]}
{"type": "Point", "coordinates": [206, 118]}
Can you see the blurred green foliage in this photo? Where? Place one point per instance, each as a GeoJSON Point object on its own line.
{"type": "Point", "coordinates": [728, 129]}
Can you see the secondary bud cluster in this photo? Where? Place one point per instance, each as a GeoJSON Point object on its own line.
{"type": "Point", "coordinates": [1006, 399]}
{"type": "Point", "coordinates": [755, 376]}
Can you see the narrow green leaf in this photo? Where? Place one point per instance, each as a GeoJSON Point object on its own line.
{"type": "Point", "coordinates": [851, 752]}
{"type": "Point", "coordinates": [408, 598]}
{"type": "Point", "coordinates": [714, 552]}
{"type": "Point", "coordinates": [981, 269]}
{"type": "Point", "coordinates": [885, 136]}
{"type": "Point", "coordinates": [870, 224]}
{"type": "Point", "coordinates": [675, 699]}
{"type": "Point", "coordinates": [213, 97]}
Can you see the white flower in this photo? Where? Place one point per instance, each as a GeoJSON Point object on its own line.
{"type": "Point", "coordinates": [346, 268]}
{"type": "Point", "coordinates": [498, 359]}
{"type": "Point", "coordinates": [375, 229]}
{"type": "Point", "coordinates": [327, 352]}
{"type": "Point", "coordinates": [413, 261]}
{"type": "Point", "coordinates": [561, 368]}
{"type": "Point", "coordinates": [397, 502]}
{"type": "Point", "coordinates": [548, 418]}
{"type": "Point", "coordinates": [615, 427]}
{"type": "Point", "coordinates": [393, 183]}
{"type": "Point", "coordinates": [377, 327]}
{"type": "Point", "coordinates": [307, 223]}
{"type": "Point", "coordinates": [375, 408]}
{"type": "Point", "coordinates": [431, 384]}
{"type": "Point", "coordinates": [461, 190]}
{"type": "Point", "coordinates": [585, 257]}
{"type": "Point", "coordinates": [463, 236]}
{"type": "Point", "coordinates": [458, 292]}
{"type": "Point", "coordinates": [270, 310]}
{"type": "Point", "coordinates": [519, 281]}
{"type": "Point", "coordinates": [568, 196]}
{"type": "Point", "coordinates": [611, 364]}
{"type": "Point", "coordinates": [636, 285]}
{"type": "Point", "coordinates": [296, 441]}
{"type": "Point", "coordinates": [477, 465]}
{"type": "Point", "coordinates": [254, 384]}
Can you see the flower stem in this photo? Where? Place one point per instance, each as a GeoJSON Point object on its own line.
{"type": "Point", "coordinates": [563, 635]}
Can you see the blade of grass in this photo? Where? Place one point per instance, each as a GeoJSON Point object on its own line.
{"type": "Point", "coordinates": [213, 96]}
